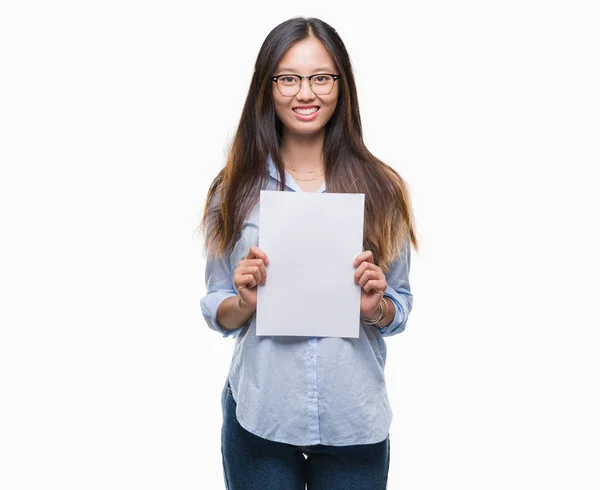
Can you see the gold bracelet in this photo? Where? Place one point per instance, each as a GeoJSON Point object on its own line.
{"type": "Point", "coordinates": [380, 316]}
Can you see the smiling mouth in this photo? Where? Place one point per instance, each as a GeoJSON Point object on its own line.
{"type": "Point", "coordinates": [306, 112]}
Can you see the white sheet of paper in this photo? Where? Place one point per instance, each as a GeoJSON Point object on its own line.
{"type": "Point", "coordinates": [311, 239]}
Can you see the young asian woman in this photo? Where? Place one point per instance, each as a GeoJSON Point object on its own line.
{"type": "Point", "coordinates": [305, 410]}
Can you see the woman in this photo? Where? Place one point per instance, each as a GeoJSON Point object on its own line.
{"type": "Point", "coordinates": [302, 410]}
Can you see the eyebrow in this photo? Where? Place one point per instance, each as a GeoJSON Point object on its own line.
{"type": "Point", "coordinates": [323, 69]}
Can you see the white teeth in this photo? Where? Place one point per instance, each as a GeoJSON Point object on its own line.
{"type": "Point", "coordinates": [306, 111]}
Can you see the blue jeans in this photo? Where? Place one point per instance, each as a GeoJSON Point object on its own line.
{"type": "Point", "coordinates": [253, 463]}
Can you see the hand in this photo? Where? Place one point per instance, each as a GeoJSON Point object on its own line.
{"type": "Point", "coordinates": [249, 273]}
{"type": "Point", "coordinates": [372, 281]}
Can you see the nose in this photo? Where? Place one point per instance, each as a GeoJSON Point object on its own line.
{"type": "Point", "coordinates": [306, 92]}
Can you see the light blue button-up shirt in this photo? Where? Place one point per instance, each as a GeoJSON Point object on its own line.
{"type": "Point", "coordinates": [307, 390]}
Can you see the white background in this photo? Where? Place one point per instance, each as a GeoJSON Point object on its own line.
{"type": "Point", "coordinates": [115, 116]}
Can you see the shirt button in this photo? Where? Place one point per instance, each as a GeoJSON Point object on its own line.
{"type": "Point", "coordinates": [311, 355]}
{"type": "Point", "coordinates": [312, 394]}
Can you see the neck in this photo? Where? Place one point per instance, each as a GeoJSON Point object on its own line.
{"type": "Point", "coordinates": [303, 152]}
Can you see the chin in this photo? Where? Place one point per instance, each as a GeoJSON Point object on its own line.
{"type": "Point", "coordinates": [306, 132]}
{"type": "Point", "coordinates": [304, 128]}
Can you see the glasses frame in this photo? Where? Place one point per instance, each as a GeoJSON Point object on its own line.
{"type": "Point", "coordinates": [310, 82]}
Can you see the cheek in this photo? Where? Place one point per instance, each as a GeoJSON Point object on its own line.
{"type": "Point", "coordinates": [280, 106]}
{"type": "Point", "coordinates": [332, 102]}
{"type": "Point", "coordinates": [331, 106]}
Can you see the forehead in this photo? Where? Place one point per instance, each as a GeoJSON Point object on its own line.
{"type": "Point", "coordinates": [306, 56]}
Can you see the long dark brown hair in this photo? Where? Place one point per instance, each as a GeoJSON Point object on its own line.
{"type": "Point", "coordinates": [349, 166]}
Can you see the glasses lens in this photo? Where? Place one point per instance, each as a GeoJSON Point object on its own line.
{"type": "Point", "coordinates": [288, 85]}
{"type": "Point", "coordinates": [322, 84]}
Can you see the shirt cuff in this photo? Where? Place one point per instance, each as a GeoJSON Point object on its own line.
{"type": "Point", "coordinates": [398, 323]}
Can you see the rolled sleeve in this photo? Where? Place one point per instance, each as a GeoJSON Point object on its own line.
{"type": "Point", "coordinates": [398, 291]}
{"type": "Point", "coordinates": [219, 287]}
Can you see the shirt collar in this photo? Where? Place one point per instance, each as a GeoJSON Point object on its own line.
{"type": "Point", "coordinates": [272, 170]}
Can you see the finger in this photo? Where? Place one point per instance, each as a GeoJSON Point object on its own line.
{"type": "Point", "coordinates": [375, 286]}
{"type": "Point", "coordinates": [245, 281]}
{"type": "Point", "coordinates": [363, 267]}
{"type": "Point", "coordinates": [366, 255]}
{"type": "Point", "coordinates": [369, 275]}
{"type": "Point", "coordinates": [258, 262]}
{"type": "Point", "coordinates": [254, 270]}
{"type": "Point", "coordinates": [256, 252]}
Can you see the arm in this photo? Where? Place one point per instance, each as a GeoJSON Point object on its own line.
{"type": "Point", "coordinates": [233, 313]}
{"type": "Point", "coordinates": [220, 307]}
{"type": "Point", "coordinates": [398, 292]}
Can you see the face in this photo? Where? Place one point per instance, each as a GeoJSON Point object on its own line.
{"type": "Point", "coordinates": [306, 57]}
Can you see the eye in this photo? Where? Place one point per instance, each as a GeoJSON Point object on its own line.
{"type": "Point", "coordinates": [288, 80]}
{"type": "Point", "coordinates": [321, 79]}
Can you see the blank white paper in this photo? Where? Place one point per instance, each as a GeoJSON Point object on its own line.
{"type": "Point", "coordinates": [311, 239]}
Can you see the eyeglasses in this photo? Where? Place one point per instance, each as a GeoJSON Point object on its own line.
{"type": "Point", "coordinates": [320, 83]}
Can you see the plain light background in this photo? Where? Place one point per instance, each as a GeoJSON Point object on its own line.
{"type": "Point", "coordinates": [116, 116]}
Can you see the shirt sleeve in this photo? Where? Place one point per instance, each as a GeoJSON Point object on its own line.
{"type": "Point", "coordinates": [398, 291]}
{"type": "Point", "coordinates": [219, 287]}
